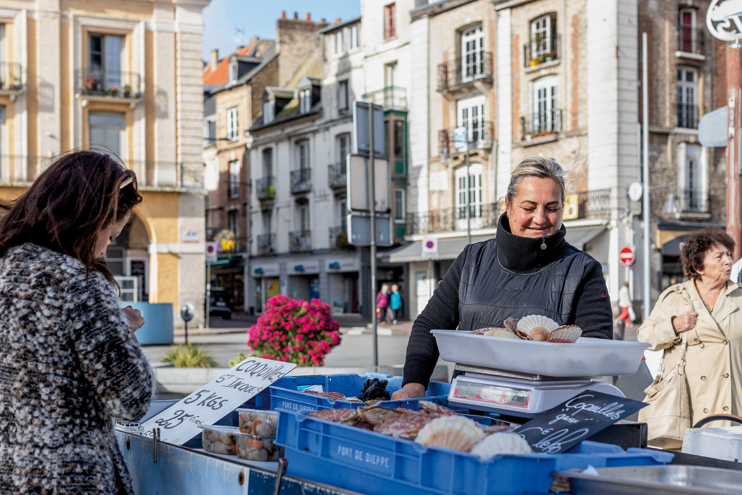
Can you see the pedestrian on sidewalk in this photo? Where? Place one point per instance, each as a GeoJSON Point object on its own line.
{"type": "Point", "coordinates": [624, 301]}
{"type": "Point", "coordinates": [69, 362]}
{"type": "Point", "coordinates": [395, 302]}
{"type": "Point", "coordinates": [382, 304]}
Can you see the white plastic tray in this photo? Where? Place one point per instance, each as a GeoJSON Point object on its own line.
{"type": "Point", "coordinates": [585, 358]}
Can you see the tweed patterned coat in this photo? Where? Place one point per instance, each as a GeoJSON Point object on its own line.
{"type": "Point", "coordinates": [68, 365]}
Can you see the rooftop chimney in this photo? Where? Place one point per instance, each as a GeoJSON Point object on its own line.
{"type": "Point", "coordinates": [323, 20]}
{"type": "Point", "coordinates": [309, 16]}
{"type": "Point", "coordinates": [296, 15]}
{"type": "Point", "coordinates": [283, 14]}
{"type": "Point", "coordinates": [214, 59]}
{"type": "Point", "coordinates": [337, 21]}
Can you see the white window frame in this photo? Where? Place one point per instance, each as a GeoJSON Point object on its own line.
{"type": "Point", "coordinates": [687, 91]}
{"type": "Point", "coordinates": [303, 218]}
{"type": "Point", "coordinates": [400, 214]}
{"type": "Point", "coordinates": [470, 114]}
{"type": "Point", "coordinates": [343, 146]}
{"type": "Point", "coordinates": [302, 155]}
{"type": "Point", "coordinates": [232, 124]}
{"type": "Point", "coordinates": [305, 100]}
{"type": "Point", "coordinates": [267, 164]}
{"type": "Point", "coordinates": [232, 72]}
{"type": "Point", "coordinates": [267, 219]}
{"type": "Point", "coordinates": [541, 25]}
{"type": "Point", "coordinates": [475, 191]}
{"type": "Point", "coordinates": [267, 112]}
{"type": "Point", "coordinates": [234, 179]}
{"type": "Point", "coordinates": [692, 175]}
{"type": "Point", "coordinates": [353, 37]}
{"type": "Point", "coordinates": [111, 77]}
{"type": "Point", "coordinates": [472, 53]}
{"type": "Point", "coordinates": [343, 95]}
{"type": "Point", "coordinates": [338, 41]}
{"type": "Point", "coordinates": [390, 74]}
{"type": "Point", "coordinates": [545, 104]}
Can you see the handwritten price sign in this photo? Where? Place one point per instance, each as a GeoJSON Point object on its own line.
{"type": "Point", "coordinates": [561, 428]}
{"type": "Point", "coordinates": [179, 423]}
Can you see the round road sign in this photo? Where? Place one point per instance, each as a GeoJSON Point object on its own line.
{"type": "Point", "coordinates": [627, 256]}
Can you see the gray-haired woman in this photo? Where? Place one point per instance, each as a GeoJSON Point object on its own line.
{"type": "Point", "coordinates": [528, 269]}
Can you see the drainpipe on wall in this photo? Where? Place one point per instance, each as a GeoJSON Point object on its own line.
{"type": "Point", "coordinates": [247, 279]}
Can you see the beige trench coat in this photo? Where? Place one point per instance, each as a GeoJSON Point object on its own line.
{"type": "Point", "coordinates": [714, 358]}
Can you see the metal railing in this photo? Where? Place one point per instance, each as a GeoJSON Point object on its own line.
{"type": "Point", "coordinates": [541, 124]}
{"type": "Point", "coordinates": [690, 39]}
{"type": "Point", "coordinates": [156, 173]}
{"type": "Point", "coordinates": [475, 66]}
{"type": "Point", "coordinates": [102, 82]}
{"type": "Point", "coordinates": [481, 137]}
{"type": "Point", "coordinates": [389, 97]}
{"type": "Point", "coordinates": [453, 219]}
{"type": "Point", "coordinates": [300, 240]}
{"type": "Point", "coordinates": [265, 188]}
{"type": "Point", "coordinates": [541, 51]}
{"type": "Point", "coordinates": [687, 116]}
{"type": "Point", "coordinates": [336, 241]}
{"type": "Point", "coordinates": [12, 76]}
{"type": "Point", "coordinates": [694, 201]}
{"type": "Point", "coordinates": [594, 204]}
{"type": "Point", "coordinates": [337, 175]}
{"type": "Point", "coordinates": [301, 180]}
{"type": "Point", "coordinates": [266, 243]}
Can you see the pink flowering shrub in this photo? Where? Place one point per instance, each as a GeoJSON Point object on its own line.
{"type": "Point", "coordinates": [294, 331]}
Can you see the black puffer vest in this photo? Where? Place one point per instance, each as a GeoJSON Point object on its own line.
{"type": "Point", "coordinates": [513, 276]}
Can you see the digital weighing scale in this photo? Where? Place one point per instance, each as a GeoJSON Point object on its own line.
{"type": "Point", "coordinates": [516, 394]}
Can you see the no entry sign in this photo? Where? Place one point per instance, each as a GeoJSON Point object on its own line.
{"type": "Point", "coordinates": [627, 256]}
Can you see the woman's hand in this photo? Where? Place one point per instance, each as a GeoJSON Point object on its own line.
{"type": "Point", "coordinates": [684, 322]}
{"type": "Point", "coordinates": [134, 318]}
{"type": "Point", "coordinates": [409, 391]}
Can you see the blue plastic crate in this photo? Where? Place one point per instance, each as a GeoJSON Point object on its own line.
{"type": "Point", "coordinates": [365, 461]}
{"type": "Point", "coordinates": [285, 393]}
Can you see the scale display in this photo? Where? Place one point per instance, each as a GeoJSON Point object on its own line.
{"type": "Point", "coordinates": [494, 394]}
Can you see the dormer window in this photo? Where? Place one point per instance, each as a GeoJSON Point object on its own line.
{"type": "Point", "coordinates": [305, 100]}
{"type": "Point", "coordinates": [268, 112]}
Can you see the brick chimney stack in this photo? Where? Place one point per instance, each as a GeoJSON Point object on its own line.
{"type": "Point", "coordinates": [296, 39]}
{"type": "Point", "coordinates": [309, 16]}
{"type": "Point", "coordinates": [296, 16]}
{"type": "Point", "coordinates": [283, 14]}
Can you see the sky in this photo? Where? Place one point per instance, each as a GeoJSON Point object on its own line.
{"type": "Point", "coordinates": [225, 19]}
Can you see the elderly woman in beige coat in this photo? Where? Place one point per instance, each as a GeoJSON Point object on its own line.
{"type": "Point", "coordinates": [713, 321]}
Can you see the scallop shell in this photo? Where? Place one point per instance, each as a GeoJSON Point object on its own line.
{"type": "Point", "coordinates": [511, 324]}
{"type": "Point", "coordinates": [536, 327]}
{"type": "Point", "coordinates": [501, 444]}
{"type": "Point", "coordinates": [501, 332]}
{"type": "Point", "coordinates": [450, 432]}
{"type": "Point", "coordinates": [566, 334]}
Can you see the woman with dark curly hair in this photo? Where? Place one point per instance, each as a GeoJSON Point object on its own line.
{"type": "Point", "coordinates": [704, 315]}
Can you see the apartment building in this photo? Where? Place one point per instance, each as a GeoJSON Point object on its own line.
{"type": "Point", "coordinates": [79, 74]}
{"type": "Point", "coordinates": [234, 88]}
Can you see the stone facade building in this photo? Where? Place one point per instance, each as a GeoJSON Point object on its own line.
{"type": "Point", "coordinates": [123, 76]}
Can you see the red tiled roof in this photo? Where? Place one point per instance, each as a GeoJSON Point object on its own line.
{"type": "Point", "coordinates": [221, 73]}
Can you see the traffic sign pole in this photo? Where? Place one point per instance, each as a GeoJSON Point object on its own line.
{"type": "Point", "coordinates": [372, 205]}
{"type": "Point", "coordinates": [734, 209]}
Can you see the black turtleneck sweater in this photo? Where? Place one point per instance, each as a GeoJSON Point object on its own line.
{"type": "Point", "coordinates": [592, 312]}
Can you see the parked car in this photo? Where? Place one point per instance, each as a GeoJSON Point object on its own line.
{"type": "Point", "coordinates": [220, 304]}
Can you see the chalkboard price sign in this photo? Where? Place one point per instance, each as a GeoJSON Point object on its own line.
{"type": "Point", "coordinates": [564, 426]}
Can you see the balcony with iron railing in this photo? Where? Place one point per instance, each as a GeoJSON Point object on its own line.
{"type": "Point", "coordinates": [301, 180]}
{"type": "Point", "coordinates": [12, 78]}
{"type": "Point", "coordinates": [468, 69]}
{"type": "Point", "coordinates": [541, 125]}
{"type": "Point", "coordinates": [687, 116]}
{"type": "Point", "coordinates": [694, 201]}
{"type": "Point", "coordinates": [690, 40]}
{"type": "Point", "coordinates": [482, 135]}
{"type": "Point", "coordinates": [541, 51]}
{"type": "Point", "coordinates": [339, 237]}
{"type": "Point", "coordinates": [266, 243]}
{"type": "Point", "coordinates": [390, 97]}
{"type": "Point", "coordinates": [591, 204]}
{"type": "Point", "coordinates": [300, 240]}
{"type": "Point", "coordinates": [337, 175]}
{"type": "Point", "coordinates": [265, 188]}
{"type": "Point", "coordinates": [109, 83]}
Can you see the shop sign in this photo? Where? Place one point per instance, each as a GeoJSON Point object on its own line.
{"type": "Point", "coordinates": [571, 207]}
{"type": "Point", "coordinates": [627, 256]}
{"type": "Point", "coordinates": [191, 236]}
{"type": "Point", "coordinates": [303, 267]}
{"type": "Point", "coordinates": [268, 270]}
{"type": "Point", "coordinates": [210, 403]}
{"type": "Point", "coordinates": [343, 265]}
{"type": "Point", "coordinates": [724, 19]}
